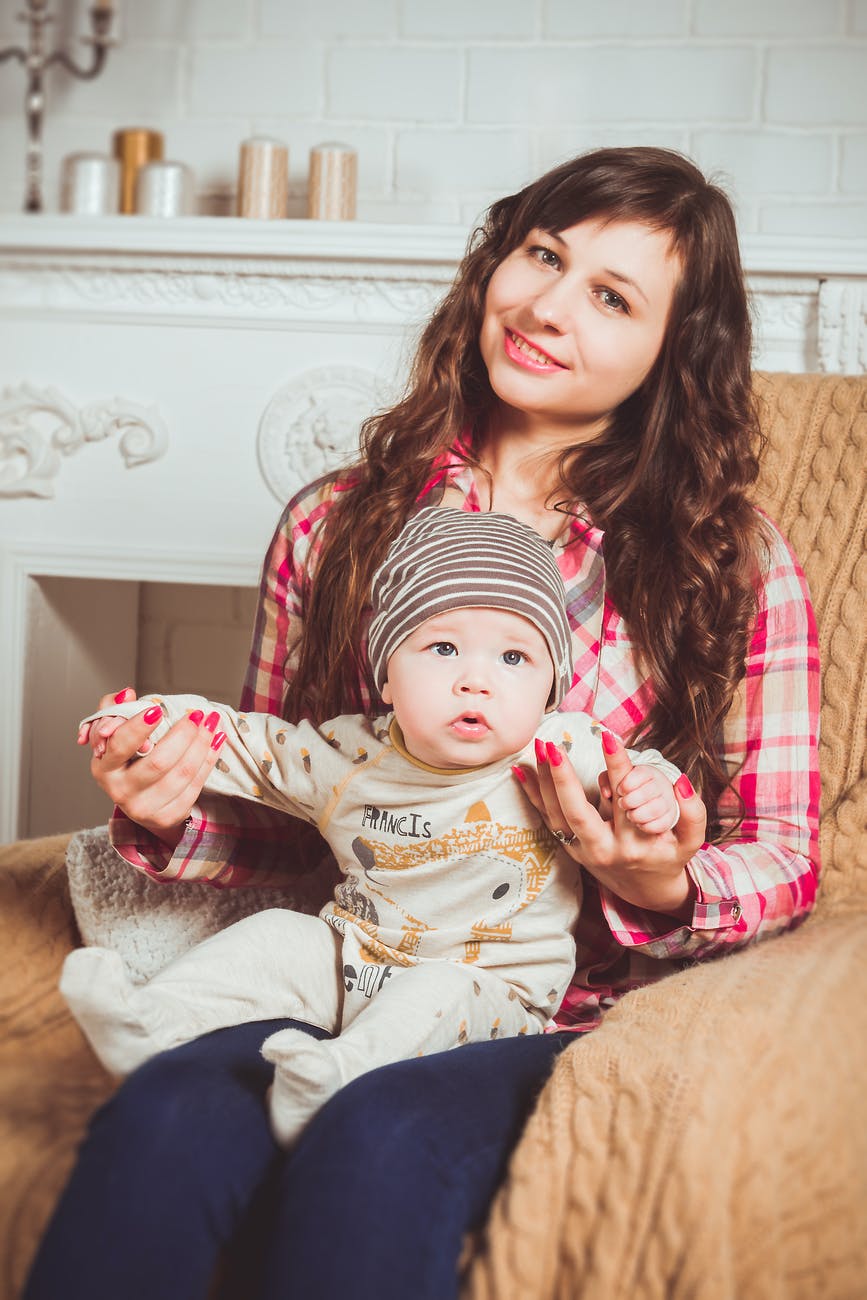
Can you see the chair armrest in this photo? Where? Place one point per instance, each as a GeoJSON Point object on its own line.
{"type": "Point", "coordinates": [37, 927]}
{"type": "Point", "coordinates": [50, 1081]}
{"type": "Point", "coordinates": [709, 1138]}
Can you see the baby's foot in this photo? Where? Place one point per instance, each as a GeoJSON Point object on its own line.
{"type": "Point", "coordinates": [103, 1000]}
{"type": "Point", "coordinates": [306, 1075]}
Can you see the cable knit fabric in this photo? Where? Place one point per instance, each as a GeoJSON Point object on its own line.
{"type": "Point", "coordinates": [709, 1140]}
{"type": "Point", "coordinates": [813, 484]}
{"type": "Point", "coordinates": [690, 1148]}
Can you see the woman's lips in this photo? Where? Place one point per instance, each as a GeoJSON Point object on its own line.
{"type": "Point", "coordinates": [528, 355]}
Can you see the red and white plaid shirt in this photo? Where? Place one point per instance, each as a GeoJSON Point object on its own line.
{"type": "Point", "coordinates": [760, 881]}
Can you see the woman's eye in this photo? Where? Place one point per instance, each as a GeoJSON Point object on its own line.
{"type": "Point", "coordinates": [513, 658]}
{"type": "Point", "coordinates": [546, 256]}
{"type": "Point", "coordinates": [444, 648]}
{"type": "Point", "coordinates": [613, 300]}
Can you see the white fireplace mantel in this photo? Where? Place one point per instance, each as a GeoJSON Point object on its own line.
{"type": "Point", "coordinates": [220, 270]}
{"type": "Point", "coordinates": [166, 385]}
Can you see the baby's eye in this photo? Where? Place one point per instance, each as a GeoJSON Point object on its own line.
{"type": "Point", "coordinates": [444, 648]}
{"type": "Point", "coordinates": [613, 300]}
{"type": "Point", "coordinates": [514, 657]}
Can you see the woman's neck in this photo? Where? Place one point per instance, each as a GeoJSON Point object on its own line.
{"type": "Point", "coordinates": [522, 478]}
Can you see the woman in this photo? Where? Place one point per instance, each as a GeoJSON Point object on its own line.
{"type": "Point", "coordinates": [589, 373]}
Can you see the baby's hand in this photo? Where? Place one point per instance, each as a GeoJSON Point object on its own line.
{"type": "Point", "coordinates": [647, 797]}
{"type": "Point", "coordinates": [98, 732]}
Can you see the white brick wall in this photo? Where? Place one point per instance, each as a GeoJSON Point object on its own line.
{"type": "Point", "coordinates": [450, 104]}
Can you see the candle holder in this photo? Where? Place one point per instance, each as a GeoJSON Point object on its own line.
{"type": "Point", "coordinates": [36, 61]}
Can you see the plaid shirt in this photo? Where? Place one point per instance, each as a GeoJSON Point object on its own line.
{"type": "Point", "coordinates": [760, 880]}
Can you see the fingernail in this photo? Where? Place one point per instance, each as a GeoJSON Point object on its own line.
{"type": "Point", "coordinates": [211, 721]}
{"type": "Point", "coordinates": [196, 717]}
{"type": "Point", "coordinates": [152, 715]}
{"type": "Point", "coordinates": [121, 695]}
{"type": "Point", "coordinates": [555, 758]}
{"type": "Point", "coordinates": [518, 772]}
{"type": "Point", "coordinates": [218, 740]}
{"type": "Point", "coordinates": [609, 742]}
{"type": "Point", "coordinates": [541, 753]}
{"type": "Point", "coordinates": [683, 786]}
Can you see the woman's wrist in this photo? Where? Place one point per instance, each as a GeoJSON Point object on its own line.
{"type": "Point", "coordinates": [170, 836]}
{"type": "Point", "coordinates": [672, 896]}
{"type": "Point", "coordinates": [681, 910]}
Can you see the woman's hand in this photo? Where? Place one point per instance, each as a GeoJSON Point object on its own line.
{"type": "Point", "coordinates": [645, 869]}
{"type": "Point", "coordinates": [154, 785]}
{"type": "Point", "coordinates": [98, 732]}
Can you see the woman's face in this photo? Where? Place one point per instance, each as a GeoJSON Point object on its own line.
{"type": "Point", "coordinates": [573, 323]}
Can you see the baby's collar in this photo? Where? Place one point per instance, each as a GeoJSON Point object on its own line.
{"type": "Point", "coordinates": [395, 735]}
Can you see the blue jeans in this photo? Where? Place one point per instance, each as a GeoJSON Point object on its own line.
{"type": "Point", "coordinates": [179, 1171]}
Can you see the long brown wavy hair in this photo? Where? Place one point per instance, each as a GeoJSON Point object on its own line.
{"type": "Point", "coordinates": [667, 480]}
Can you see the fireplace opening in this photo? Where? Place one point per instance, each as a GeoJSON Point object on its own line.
{"type": "Point", "coordinates": [87, 636]}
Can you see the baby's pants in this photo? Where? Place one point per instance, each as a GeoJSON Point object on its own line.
{"type": "Point", "coordinates": [284, 964]}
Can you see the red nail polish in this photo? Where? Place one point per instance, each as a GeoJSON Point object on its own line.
{"type": "Point", "coordinates": [541, 753]}
{"type": "Point", "coordinates": [555, 758]}
{"type": "Point", "coordinates": [196, 717]}
{"type": "Point", "coordinates": [211, 721]}
{"type": "Point", "coordinates": [153, 715]}
{"type": "Point", "coordinates": [683, 786]}
{"type": "Point", "coordinates": [121, 695]}
{"type": "Point", "coordinates": [609, 742]}
{"type": "Point", "coordinates": [218, 740]}
{"type": "Point", "coordinates": [518, 772]}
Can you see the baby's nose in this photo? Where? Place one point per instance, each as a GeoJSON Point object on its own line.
{"type": "Point", "coordinates": [473, 684]}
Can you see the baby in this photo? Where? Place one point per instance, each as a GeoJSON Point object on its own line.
{"type": "Point", "coordinates": [453, 921]}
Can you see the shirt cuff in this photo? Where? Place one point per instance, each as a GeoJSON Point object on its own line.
{"type": "Point", "coordinates": [634, 927]}
{"type": "Point", "coordinates": [146, 851]}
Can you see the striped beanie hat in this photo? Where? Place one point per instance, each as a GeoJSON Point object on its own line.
{"type": "Point", "coordinates": [447, 559]}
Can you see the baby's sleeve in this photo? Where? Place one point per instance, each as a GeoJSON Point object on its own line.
{"type": "Point", "coordinates": [262, 758]}
{"type": "Point", "coordinates": [580, 737]}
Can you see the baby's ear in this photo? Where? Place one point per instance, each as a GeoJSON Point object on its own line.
{"type": "Point", "coordinates": [387, 697]}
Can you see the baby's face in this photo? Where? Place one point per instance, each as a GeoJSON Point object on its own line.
{"type": "Point", "coordinates": [469, 687]}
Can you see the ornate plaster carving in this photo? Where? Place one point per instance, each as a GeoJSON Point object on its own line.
{"type": "Point", "coordinates": [231, 291]}
{"type": "Point", "coordinates": [38, 427]}
{"type": "Point", "coordinates": [785, 313]}
{"type": "Point", "coordinates": [310, 426]}
{"type": "Point", "coordinates": [843, 326]}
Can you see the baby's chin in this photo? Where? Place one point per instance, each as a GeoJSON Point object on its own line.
{"type": "Point", "coordinates": [464, 754]}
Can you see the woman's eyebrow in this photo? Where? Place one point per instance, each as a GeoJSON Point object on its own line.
{"type": "Point", "coordinates": [625, 279]}
{"type": "Point", "coordinates": [549, 234]}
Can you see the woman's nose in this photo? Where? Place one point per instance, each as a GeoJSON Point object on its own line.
{"type": "Point", "coordinates": [554, 308]}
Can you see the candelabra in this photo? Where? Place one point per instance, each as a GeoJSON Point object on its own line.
{"type": "Point", "coordinates": [36, 61]}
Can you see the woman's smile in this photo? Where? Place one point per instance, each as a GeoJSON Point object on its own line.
{"type": "Point", "coordinates": [524, 353]}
